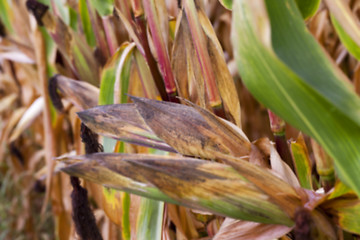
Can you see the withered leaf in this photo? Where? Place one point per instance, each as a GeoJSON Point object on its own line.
{"type": "Point", "coordinates": [189, 132]}
{"type": "Point", "coordinates": [122, 122]}
{"type": "Point", "coordinates": [83, 95]}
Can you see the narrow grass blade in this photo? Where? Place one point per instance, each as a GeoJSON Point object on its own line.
{"type": "Point", "coordinates": [112, 73]}
{"type": "Point", "coordinates": [148, 83]}
{"type": "Point", "coordinates": [190, 83]}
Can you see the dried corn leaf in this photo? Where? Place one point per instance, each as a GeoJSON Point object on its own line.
{"type": "Point", "coordinates": [196, 183]}
{"type": "Point", "coordinates": [81, 94]}
{"type": "Point", "coordinates": [188, 132]}
{"type": "Point", "coordinates": [187, 69]}
{"type": "Point", "coordinates": [212, 187]}
{"type": "Point", "coordinates": [28, 118]}
{"type": "Point", "coordinates": [280, 191]}
{"type": "Point", "coordinates": [122, 122]}
{"type": "Point", "coordinates": [109, 170]}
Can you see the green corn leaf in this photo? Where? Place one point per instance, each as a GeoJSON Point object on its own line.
{"type": "Point", "coordinates": [342, 12]}
{"type": "Point", "coordinates": [299, 84]}
{"type": "Point", "coordinates": [345, 38]}
{"type": "Point", "coordinates": [308, 7]}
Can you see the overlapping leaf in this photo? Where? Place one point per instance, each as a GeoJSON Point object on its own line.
{"type": "Point", "coordinates": [188, 132]}
{"type": "Point", "coordinates": [196, 183]}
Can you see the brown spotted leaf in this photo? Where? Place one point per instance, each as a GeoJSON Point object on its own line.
{"type": "Point", "coordinates": [122, 122]}
{"type": "Point", "coordinates": [279, 191]}
{"type": "Point", "coordinates": [203, 185]}
{"type": "Point", "coordinates": [191, 131]}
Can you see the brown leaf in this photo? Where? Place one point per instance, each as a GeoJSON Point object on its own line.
{"type": "Point", "coordinates": [279, 191]}
{"type": "Point", "coordinates": [190, 132]}
{"type": "Point", "coordinates": [83, 95]}
{"type": "Point", "coordinates": [186, 68]}
{"type": "Point", "coordinates": [122, 122]}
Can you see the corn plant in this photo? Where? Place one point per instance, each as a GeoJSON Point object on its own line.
{"type": "Point", "coordinates": [184, 119]}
